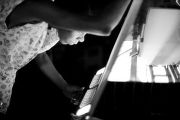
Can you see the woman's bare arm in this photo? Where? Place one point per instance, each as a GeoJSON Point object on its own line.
{"type": "Point", "coordinates": [46, 66]}
{"type": "Point", "coordinates": [50, 71]}
{"type": "Point", "coordinates": [102, 24]}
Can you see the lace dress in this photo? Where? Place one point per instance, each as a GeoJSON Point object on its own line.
{"type": "Point", "coordinates": [18, 46]}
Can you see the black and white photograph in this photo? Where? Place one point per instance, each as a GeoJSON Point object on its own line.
{"type": "Point", "coordinates": [89, 59]}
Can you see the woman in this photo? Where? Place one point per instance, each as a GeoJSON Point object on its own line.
{"type": "Point", "coordinates": [29, 28]}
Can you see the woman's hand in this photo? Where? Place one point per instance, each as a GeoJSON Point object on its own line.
{"type": "Point", "coordinates": [70, 91]}
{"type": "Point", "coordinates": [74, 93]}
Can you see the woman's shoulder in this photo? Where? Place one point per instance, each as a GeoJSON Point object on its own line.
{"type": "Point", "coordinates": [52, 38]}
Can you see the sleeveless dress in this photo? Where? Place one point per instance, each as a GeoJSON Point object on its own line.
{"type": "Point", "coordinates": [18, 46]}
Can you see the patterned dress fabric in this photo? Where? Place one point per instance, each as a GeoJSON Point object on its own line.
{"type": "Point", "coordinates": [18, 46]}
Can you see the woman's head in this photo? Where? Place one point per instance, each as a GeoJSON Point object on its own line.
{"type": "Point", "coordinates": [70, 37]}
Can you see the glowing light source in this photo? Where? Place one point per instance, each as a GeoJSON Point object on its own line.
{"type": "Point", "coordinates": [121, 69]}
{"type": "Point", "coordinates": [83, 110]}
{"type": "Point", "coordinates": [159, 70]}
{"type": "Point", "coordinates": [161, 79]}
{"type": "Point", "coordinates": [161, 45]}
{"type": "Point", "coordinates": [100, 71]}
{"type": "Point", "coordinates": [87, 117]}
{"type": "Point", "coordinates": [122, 66]}
{"type": "Point", "coordinates": [143, 73]}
